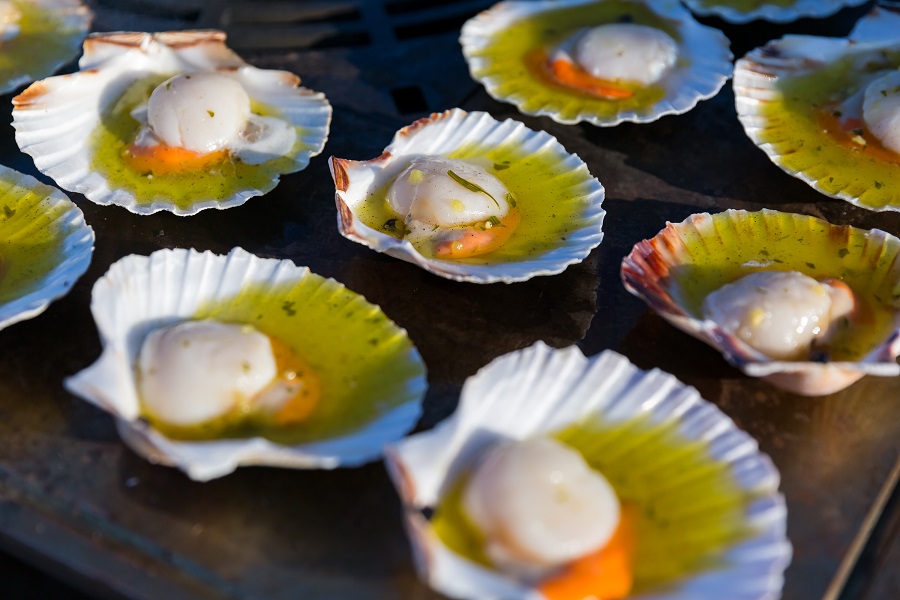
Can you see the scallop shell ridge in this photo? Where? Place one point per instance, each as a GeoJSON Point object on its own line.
{"type": "Point", "coordinates": [815, 9]}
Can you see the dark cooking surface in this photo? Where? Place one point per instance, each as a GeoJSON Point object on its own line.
{"type": "Point", "coordinates": [77, 503]}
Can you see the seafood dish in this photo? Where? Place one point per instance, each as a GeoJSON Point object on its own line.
{"type": "Point", "coordinates": [561, 476]}
{"type": "Point", "coordinates": [809, 306]}
{"type": "Point", "coordinates": [170, 121]}
{"type": "Point", "coordinates": [45, 246]}
{"type": "Point", "coordinates": [470, 198]}
{"type": "Point", "coordinates": [37, 37]}
{"type": "Point", "coordinates": [598, 61]}
{"type": "Point", "coordinates": [211, 362]}
{"type": "Point", "coordinates": [827, 111]}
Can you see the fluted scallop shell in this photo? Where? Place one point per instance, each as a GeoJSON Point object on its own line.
{"type": "Point", "coordinates": [559, 200]}
{"type": "Point", "coordinates": [47, 35]}
{"type": "Point", "coordinates": [785, 94]}
{"type": "Point", "coordinates": [45, 246]}
{"type": "Point", "coordinates": [879, 24]}
{"type": "Point", "coordinates": [674, 271]}
{"type": "Point", "coordinates": [75, 125]}
{"type": "Point", "coordinates": [367, 364]}
{"type": "Point", "coordinates": [744, 11]}
{"type": "Point", "coordinates": [620, 413]}
{"type": "Point", "coordinates": [497, 42]}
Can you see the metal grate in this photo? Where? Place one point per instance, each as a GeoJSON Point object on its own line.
{"type": "Point", "coordinates": [394, 57]}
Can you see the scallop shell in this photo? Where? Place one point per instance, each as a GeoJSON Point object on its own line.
{"type": "Point", "coordinates": [703, 67]}
{"type": "Point", "coordinates": [45, 246]}
{"type": "Point", "coordinates": [769, 12]}
{"type": "Point", "coordinates": [776, 92]}
{"type": "Point", "coordinates": [880, 24]}
{"type": "Point", "coordinates": [674, 271]}
{"type": "Point", "coordinates": [65, 122]}
{"type": "Point", "coordinates": [382, 376]}
{"type": "Point", "coordinates": [538, 171]}
{"type": "Point", "coordinates": [540, 391]}
{"type": "Point", "coordinates": [50, 35]}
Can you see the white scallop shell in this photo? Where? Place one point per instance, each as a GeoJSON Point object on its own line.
{"type": "Point", "coordinates": [31, 209]}
{"type": "Point", "coordinates": [59, 30]}
{"type": "Point", "coordinates": [443, 134]}
{"type": "Point", "coordinates": [816, 9]}
{"type": "Point", "coordinates": [704, 65]}
{"type": "Point", "coordinates": [140, 294]}
{"type": "Point", "coordinates": [757, 77]}
{"type": "Point", "coordinates": [55, 118]}
{"type": "Point", "coordinates": [539, 391]}
{"type": "Point", "coordinates": [880, 24]}
{"type": "Point", "coordinates": [749, 242]}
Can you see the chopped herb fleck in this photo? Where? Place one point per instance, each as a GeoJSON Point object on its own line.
{"type": "Point", "coordinates": [474, 187]}
{"type": "Point", "coordinates": [500, 167]}
{"type": "Point", "coordinates": [8, 212]}
{"type": "Point", "coordinates": [494, 221]}
{"type": "Point", "coordinates": [168, 85]}
{"type": "Point", "coordinates": [764, 252]}
{"type": "Point", "coordinates": [510, 199]}
{"type": "Point", "coordinates": [878, 185]}
{"type": "Point", "coordinates": [288, 308]}
{"type": "Point", "coordinates": [810, 265]}
{"type": "Point", "coordinates": [390, 225]}
{"type": "Point", "coordinates": [843, 252]}
{"type": "Point", "coordinates": [210, 113]}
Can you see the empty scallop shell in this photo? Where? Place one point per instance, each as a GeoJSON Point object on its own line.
{"type": "Point", "coordinates": [559, 200]}
{"type": "Point", "coordinates": [674, 271]}
{"type": "Point", "coordinates": [44, 35]}
{"type": "Point", "coordinates": [373, 378]}
{"type": "Point", "coordinates": [800, 100]}
{"type": "Point", "coordinates": [500, 45]}
{"type": "Point", "coordinates": [621, 413]}
{"type": "Point", "coordinates": [45, 246]}
{"type": "Point", "coordinates": [75, 126]}
{"type": "Point", "coordinates": [741, 11]}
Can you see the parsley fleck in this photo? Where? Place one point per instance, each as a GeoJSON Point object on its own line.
{"type": "Point", "coordinates": [7, 211]}
{"type": "Point", "coordinates": [210, 113]}
{"type": "Point", "coordinates": [843, 252]}
{"type": "Point", "coordinates": [288, 308]}
{"type": "Point", "coordinates": [810, 265]}
{"type": "Point", "coordinates": [494, 221]}
{"type": "Point", "coordinates": [878, 185]}
{"type": "Point", "coordinates": [474, 187]}
{"type": "Point", "coordinates": [390, 225]}
{"type": "Point", "coordinates": [510, 199]}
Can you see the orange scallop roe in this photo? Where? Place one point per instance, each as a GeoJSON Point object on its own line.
{"type": "Point", "coordinates": [476, 241]}
{"type": "Point", "coordinates": [572, 75]}
{"type": "Point", "coordinates": [847, 133]}
{"type": "Point", "coordinates": [605, 574]}
{"type": "Point", "coordinates": [295, 373]}
{"type": "Point", "coordinates": [161, 160]}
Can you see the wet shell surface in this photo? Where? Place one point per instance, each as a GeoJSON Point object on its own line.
{"type": "Point", "coordinates": [801, 100]}
{"type": "Point", "coordinates": [80, 128]}
{"type": "Point", "coordinates": [37, 37]}
{"type": "Point", "coordinates": [776, 11]}
{"type": "Point", "coordinates": [558, 199]}
{"type": "Point", "coordinates": [372, 377]}
{"type": "Point", "coordinates": [629, 425]}
{"type": "Point", "coordinates": [45, 246]}
{"type": "Point", "coordinates": [508, 48]}
{"type": "Point", "coordinates": [675, 271]}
